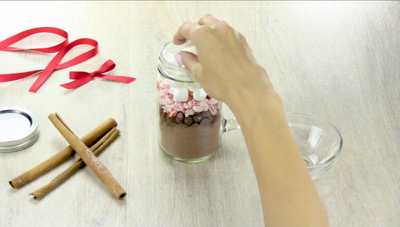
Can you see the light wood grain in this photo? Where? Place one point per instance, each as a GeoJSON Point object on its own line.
{"type": "Point", "coordinates": [337, 60]}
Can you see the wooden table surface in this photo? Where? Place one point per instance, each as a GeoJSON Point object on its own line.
{"type": "Point", "coordinates": [337, 60]}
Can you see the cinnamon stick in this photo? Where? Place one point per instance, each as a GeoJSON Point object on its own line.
{"type": "Point", "coordinates": [61, 156]}
{"type": "Point", "coordinates": [96, 149]}
{"type": "Point", "coordinates": [87, 156]}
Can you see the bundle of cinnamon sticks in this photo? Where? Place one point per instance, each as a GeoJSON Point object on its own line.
{"type": "Point", "coordinates": [98, 139]}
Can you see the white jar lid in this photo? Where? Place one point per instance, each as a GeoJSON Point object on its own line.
{"type": "Point", "coordinates": [18, 129]}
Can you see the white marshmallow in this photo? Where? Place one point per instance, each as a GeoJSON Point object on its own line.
{"type": "Point", "coordinates": [170, 58]}
{"type": "Point", "coordinates": [199, 94]}
{"type": "Point", "coordinates": [189, 47]}
{"type": "Point", "coordinates": [314, 158]}
{"type": "Point", "coordinates": [193, 86]}
{"type": "Point", "coordinates": [181, 94]}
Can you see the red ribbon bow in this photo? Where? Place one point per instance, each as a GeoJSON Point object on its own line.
{"type": "Point", "coordinates": [62, 49]}
{"type": "Point", "coordinates": [82, 78]}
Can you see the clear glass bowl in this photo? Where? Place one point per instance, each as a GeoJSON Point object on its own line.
{"type": "Point", "coordinates": [319, 142]}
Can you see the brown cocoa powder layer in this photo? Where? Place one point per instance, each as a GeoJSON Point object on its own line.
{"type": "Point", "coordinates": [190, 142]}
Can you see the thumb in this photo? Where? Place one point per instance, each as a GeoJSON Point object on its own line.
{"type": "Point", "coordinates": [191, 62]}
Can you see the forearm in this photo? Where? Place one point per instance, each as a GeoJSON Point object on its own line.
{"type": "Point", "coordinates": [228, 71]}
{"type": "Point", "coordinates": [288, 195]}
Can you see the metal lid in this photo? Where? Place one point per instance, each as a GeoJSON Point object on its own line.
{"type": "Point", "coordinates": [18, 129]}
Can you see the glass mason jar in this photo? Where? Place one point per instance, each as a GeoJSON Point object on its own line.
{"type": "Point", "coordinates": [190, 121]}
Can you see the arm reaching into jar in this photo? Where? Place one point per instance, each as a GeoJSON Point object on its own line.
{"type": "Point", "coordinates": [228, 71]}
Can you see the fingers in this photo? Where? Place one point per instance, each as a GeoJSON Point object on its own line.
{"type": "Point", "coordinates": [191, 62]}
{"type": "Point", "coordinates": [226, 23]}
{"type": "Point", "coordinates": [208, 20]}
{"type": "Point", "coordinates": [184, 32]}
{"type": "Point", "coordinates": [188, 28]}
{"type": "Point", "coordinates": [190, 31]}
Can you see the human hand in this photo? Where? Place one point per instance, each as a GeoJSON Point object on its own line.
{"type": "Point", "coordinates": [225, 65]}
{"type": "Point", "coordinates": [228, 71]}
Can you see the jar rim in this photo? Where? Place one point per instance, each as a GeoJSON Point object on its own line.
{"type": "Point", "coordinates": [183, 72]}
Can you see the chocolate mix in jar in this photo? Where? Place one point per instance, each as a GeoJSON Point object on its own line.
{"type": "Point", "coordinates": [189, 119]}
{"type": "Point", "coordinates": [190, 137]}
{"type": "Point", "coordinates": [189, 129]}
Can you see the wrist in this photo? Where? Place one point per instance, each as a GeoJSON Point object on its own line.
{"type": "Point", "coordinates": [254, 98]}
{"type": "Point", "coordinates": [250, 110]}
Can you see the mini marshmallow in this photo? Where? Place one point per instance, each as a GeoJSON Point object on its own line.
{"type": "Point", "coordinates": [193, 86]}
{"type": "Point", "coordinates": [170, 58]}
{"type": "Point", "coordinates": [199, 94]}
{"type": "Point", "coordinates": [181, 94]}
{"type": "Point", "coordinates": [189, 47]}
{"type": "Point", "coordinates": [178, 59]}
{"type": "Point", "coordinates": [313, 158]}
{"type": "Point", "coordinates": [213, 109]}
{"type": "Point", "coordinates": [197, 108]}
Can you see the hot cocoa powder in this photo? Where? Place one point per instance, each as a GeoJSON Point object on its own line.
{"type": "Point", "coordinates": [190, 137]}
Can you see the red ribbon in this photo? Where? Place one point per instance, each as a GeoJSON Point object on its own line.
{"type": "Point", "coordinates": [82, 78]}
{"type": "Point", "coordinates": [4, 45]}
{"type": "Point", "coordinates": [62, 49]}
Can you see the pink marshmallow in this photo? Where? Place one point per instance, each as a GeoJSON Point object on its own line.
{"type": "Point", "coordinates": [178, 59]}
{"type": "Point", "coordinates": [189, 107]}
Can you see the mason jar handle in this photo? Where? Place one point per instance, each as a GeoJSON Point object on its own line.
{"type": "Point", "coordinates": [230, 124]}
